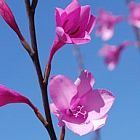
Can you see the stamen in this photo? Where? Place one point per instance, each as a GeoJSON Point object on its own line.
{"type": "Point", "coordinates": [79, 111]}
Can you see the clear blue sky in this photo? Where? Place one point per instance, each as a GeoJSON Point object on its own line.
{"type": "Point", "coordinates": [18, 122]}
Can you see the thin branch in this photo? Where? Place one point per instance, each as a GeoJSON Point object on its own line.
{"type": "Point", "coordinates": [97, 135]}
{"type": "Point", "coordinates": [27, 47]}
{"type": "Point", "coordinates": [41, 118]}
{"type": "Point", "coordinates": [137, 34]}
{"type": "Point", "coordinates": [62, 134]}
{"type": "Point", "coordinates": [34, 5]}
{"type": "Point", "coordinates": [35, 59]}
{"type": "Point", "coordinates": [79, 57]}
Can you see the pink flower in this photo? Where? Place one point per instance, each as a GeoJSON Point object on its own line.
{"type": "Point", "coordinates": [77, 105]}
{"type": "Point", "coordinates": [73, 25]}
{"type": "Point", "coordinates": [7, 15]}
{"type": "Point", "coordinates": [8, 96]}
{"type": "Point", "coordinates": [111, 54]}
{"type": "Point", "coordinates": [105, 24]}
{"type": "Point", "coordinates": [134, 16]}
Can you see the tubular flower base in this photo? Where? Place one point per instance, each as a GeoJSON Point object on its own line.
{"type": "Point", "coordinates": [78, 106]}
{"type": "Point", "coordinates": [105, 24]}
{"type": "Point", "coordinates": [111, 54]}
{"type": "Point", "coordinates": [73, 25]}
{"type": "Point", "coordinates": [7, 15]}
{"type": "Point", "coordinates": [8, 96]}
{"type": "Point", "coordinates": [134, 16]}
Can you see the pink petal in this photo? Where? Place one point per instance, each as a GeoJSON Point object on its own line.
{"type": "Point", "coordinates": [84, 20]}
{"type": "Point", "coordinates": [84, 17]}
{"type": "Point", "coordinates": [92, 101]}
{"type": "Point", "coordinates": [71, 21]}
{"type": "Point", "coordinates": [107, 50]}
{"type": "Point", "coordinates": [132, 5]}
{"type": "Point", "coordinates": [134, 16]}
{"type": "Point", "coordinates": [106, 33]}
{"type": "Point", "coordinates": [108, 100]}
{"type": "Point", "coordinates": [87, 127]}
{"type": "Point", "coordinates": [111, 66]}
{"type": "Point", "coordinates": [81, 40]}
{"type": "Point", "coordinates": [91, 24]}
{"type": "Point", "coordinates": [56, 112]}
{"type": "Point", "coordinates": [84, 83]}
{"type": "Point", "coordinates": [7, 15]}
{"type": "Point", "coordinates": [72, 6]}
{"type": "Point", "coordinates": [62, 91]}
{"type": "Point", "coordinates": [8, 96]}
{"type": "Point", "coordinates": [58, 13]}
{"type": "Point", "coordinates": [62, 36]}
{"type": "Point", "coordinates": [99, 122]}
{"type": "Point", "coordinates": [54, 109]}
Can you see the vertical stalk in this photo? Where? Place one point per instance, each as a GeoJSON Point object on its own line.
{"type": "Point", "coordinates": [97, 135]}
{"type": "Point", "coordinates": [35, 58]}
{"type": "Point", "coordinates": [79, 57]}
{"type": "Point", "coordinates": [62, 134]}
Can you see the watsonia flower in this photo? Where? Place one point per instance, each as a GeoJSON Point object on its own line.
{"type": "Point", "coordinates": [74, 25]}
{"type": "Point", "coordinates": [78, 106]}
{"type": "Point", "coordinates": [106, 22]}
{"type": "Point", "coordinates": [111, 54]}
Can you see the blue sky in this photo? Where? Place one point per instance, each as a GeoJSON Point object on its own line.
{"type": "Point", "coordinates": [17, 72]}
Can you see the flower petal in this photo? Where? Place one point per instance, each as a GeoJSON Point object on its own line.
{"type": "Point", "coordinates": [85, 39]}
{"type": "Point", "coordinates": [8, 96]}
{"type": "Point", "coordinates": [62, 36]}
{"type": "Point", "coordinates": [54, 109]}
{"type": "Point", "coordinates": [62, 91]}
{"type": "Point", "coordinates": [7, 15]}
{"type": "Point", "coordinates": [108, 100]}
{"type": "Point", "coordinates": [70, 24]}
{"type": "Point", "coordinates": [82, 24]}
{"type": "Point", "coordinates": [91, 24]}
{"type": "Point", "coordinates": [107, 50]}
{"type": "Point", "coordinates": [134, 16]}
{"type": "Point", "coordinates": [106, 33]}
{"type": "Point", "coordinates": [84, 83]}
{"type": "Point", "coordinates": [58, 14]}
{"type": "Point", "coordinates": [87, 127]}
{"type": "Point", "coordinates": [92, 101]}
{"type": "Point", "coordinates": [84, 17]}
{"type": "Point", "coordinates": [72, 6]}
{"type": "Point", "coordinates": [99, 122]}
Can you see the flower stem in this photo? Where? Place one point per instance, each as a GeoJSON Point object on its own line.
{"type": "Point", "coordinates": [35, 58]}
{"type": "Point", "coordinates": [79, 57]}
{"type": "Point", "coordinates": [62, 135]}
{"type": "Point", "coordinates": [98, 135]}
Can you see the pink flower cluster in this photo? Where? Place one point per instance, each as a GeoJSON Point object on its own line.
{"type": "Point", "coordinates": [76, 104]}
